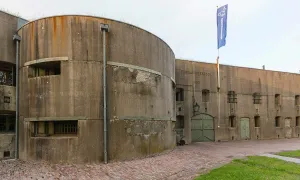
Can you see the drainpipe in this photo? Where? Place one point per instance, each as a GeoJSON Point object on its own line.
{"type": "Point", "coordinates": [104, 29]}
{"type": "Point", "coordinates": [17, 38]}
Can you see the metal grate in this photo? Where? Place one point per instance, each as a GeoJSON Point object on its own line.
{"type": "Point", "coordinates": [7, 123]}
{"type": "Point", "coordinates": [2, 123]}
{"type": "Point", "coordinates": [6, 154]}
{"type": "Point", "coordinates": [256, 98]}
{"type": "Point", "coordinates": [65, 127]}
{"type": "Point", "coordinates": [231, 97]}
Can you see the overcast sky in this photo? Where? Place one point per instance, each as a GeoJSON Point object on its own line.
{"type": "Point", "coordinates": [260, 32]}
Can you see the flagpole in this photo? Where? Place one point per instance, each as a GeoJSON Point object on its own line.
{"type": "Point", "coordinates": [219, 89]}
{"type": "Point", "coordinates": [218, 86]}
{"type": "Point", "coordinates": [221, 34]}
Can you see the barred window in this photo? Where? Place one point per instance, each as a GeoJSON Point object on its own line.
{"type": "Point", "coordinates": [7, 123]}
{"type": "Point", "coordinates": [6, 74]}
{"type": "Point", "coordinates": [50, 128]}
{"type": "Point", "coordinates": [256, 98]}
{"type": "Point", "coordinates": [44, 69]}
{"type": "Point", "coordinates": [205, 95]}
{"type": "Point", "coordinates": [232, 97]}
{"type": "Point", "coordinates": [65, 127]}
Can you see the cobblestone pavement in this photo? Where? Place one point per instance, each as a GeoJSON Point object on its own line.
{"type": "Point", "coordinates": [183, 162]}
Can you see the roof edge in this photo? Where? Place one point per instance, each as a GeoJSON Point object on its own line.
{"type": "Point", "coordinates": [236, 66]}
{"type": "Point", "coordinates": [99, 18]}
{"type": "Point", "coordinates": [14, 15]}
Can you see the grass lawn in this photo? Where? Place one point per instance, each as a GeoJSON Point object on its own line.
{"type": "Point", "coordinates": [295, 154]}
{"type": "Point", "coordinates": [254, 167]}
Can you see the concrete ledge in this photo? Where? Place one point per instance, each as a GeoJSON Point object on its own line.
{"type": "Point", "coordinates": [55, 118]}
{"type": "Point", "coordinates": [133, 67]}
{"type": "Point", "coordinates": [144, 118]}
{"type": "Point", "coordinates": [46, 60]}
{"type": "Point", "coordinates": [56, 137]}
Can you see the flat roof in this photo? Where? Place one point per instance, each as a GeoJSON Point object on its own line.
{"type": "Point", "coordinates": [236, 66]}
{"type": "Point", "coordinates": [1, 10]}
{"type": "Point", "coordinates": [98, 17]}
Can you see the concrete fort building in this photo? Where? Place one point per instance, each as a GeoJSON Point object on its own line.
{"type": "Point", "coordinates": [8, 27]}
{"type": "Point", "coordinates": [254, 103]}
{"type": "Point", "coordinates": [90, 89]}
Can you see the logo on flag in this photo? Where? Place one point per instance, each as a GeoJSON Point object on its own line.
{"type": "Point", "coordinates": [222, 25]}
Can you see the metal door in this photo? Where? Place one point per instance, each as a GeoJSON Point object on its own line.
{"type": "Point", "coordinates": [245, 129]}
{"type": "Point", "coordinates": [287, 128]}
{"type": "Point", "coordinates": [203, 128]}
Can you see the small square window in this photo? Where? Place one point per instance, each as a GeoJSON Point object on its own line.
{"type": "Point", "coordinates": [6, 99]}
{"type": "Point", "coordinates": [6, 154]}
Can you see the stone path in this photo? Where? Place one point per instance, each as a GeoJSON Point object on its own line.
{"type": "Point", "coordinates": [184, 162]}
{"type": "Point", "coordinates": [289, 159]}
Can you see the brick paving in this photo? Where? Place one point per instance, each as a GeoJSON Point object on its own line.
{"type": "Point", "coordinates": [184, 162]}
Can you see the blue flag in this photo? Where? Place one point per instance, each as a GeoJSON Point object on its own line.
{"type": "Point", "coordinates": [222, 25]}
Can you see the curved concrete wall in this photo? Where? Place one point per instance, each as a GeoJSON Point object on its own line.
{"type": "Point", "coordinates": [141, 70]}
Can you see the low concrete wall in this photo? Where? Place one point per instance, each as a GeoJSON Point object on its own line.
{"type": "Point", "coordinates": [7, 144]}
{"type": "Point", "coordinates": [86, 147]}
{"type": "Point", "coordinates": [130, 139]}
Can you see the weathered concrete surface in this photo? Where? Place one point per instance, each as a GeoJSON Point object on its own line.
{"type": "Point", "coordinates": [140, 138]}
{"type": "Point", "coordinates": [7, 144]}
{"type": "Point", "coordinates": [184, 162]}
{"type": "Point", "coordinates": [64, 149]}
{"type": "Point", "coordinates": [289, 159]}
{"type": "Point", "coordinates": [8, 91]}
{"type": "Point", "coordinates": [144, 96]}
{"type": "Point", "coordinates": [194, 77]}
{"type": "Point", "coordinates": [8, 27]}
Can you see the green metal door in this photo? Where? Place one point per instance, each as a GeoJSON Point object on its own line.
{"type": "Point", "coordinates": [245, 130]}
{"type": "Point", "coordinates": [203, 128]}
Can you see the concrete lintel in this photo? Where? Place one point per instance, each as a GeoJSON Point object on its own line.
{"type": "Point", "coordinates": [133, 67]}
{"type": "Point", "coordinates": [144, 118]}
{"type": "Point", "coordinates": [46, 60]}
{"type": "Point", "coordinates": [55, 118]}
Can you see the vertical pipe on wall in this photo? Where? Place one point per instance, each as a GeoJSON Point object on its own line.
{"type": "Point", "coordinates": [17, 38]}
{"type": "Point", "coordinates": [104, 29]}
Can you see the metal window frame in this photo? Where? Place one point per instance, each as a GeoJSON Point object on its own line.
{"type": "Point", "coordinates": [7, 124]}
